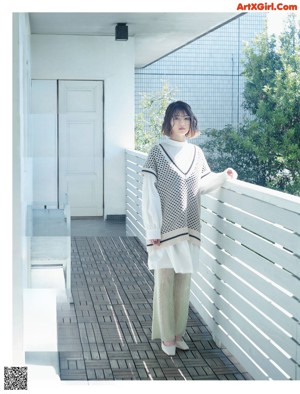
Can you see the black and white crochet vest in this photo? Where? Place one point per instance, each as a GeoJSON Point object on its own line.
{"type": "Point", "coordinates": [179, 195]}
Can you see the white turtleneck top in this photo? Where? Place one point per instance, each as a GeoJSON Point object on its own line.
{"type": "Point", "coordinates": [175, 175]}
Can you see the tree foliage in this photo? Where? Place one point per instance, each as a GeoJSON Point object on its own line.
{"type": "Point", "coordinates": [148, 122]}
{"type": "Point", "coordinates": [265, 149]}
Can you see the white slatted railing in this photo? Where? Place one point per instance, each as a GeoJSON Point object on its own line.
{"type": "Point", "coordinates": [134, 182]}
{"type": "Point", "coordinates": [247, 289]}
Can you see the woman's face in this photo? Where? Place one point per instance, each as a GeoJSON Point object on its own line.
{"type": "Point", "coordinates": [180, 124]}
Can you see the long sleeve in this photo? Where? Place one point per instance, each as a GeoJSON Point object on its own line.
{"type": "Point", "coordinates": [212, 181]}
{"type": "Point", "coordinates": [151, 208]}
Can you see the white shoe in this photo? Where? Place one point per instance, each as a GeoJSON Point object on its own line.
{"type": "Point", "coordinates": [182, 345]}
{"type": "Point", "coordinates": [169, 350]}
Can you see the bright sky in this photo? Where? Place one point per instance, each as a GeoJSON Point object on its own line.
{"type": "Point", "coordinates": [276, 22]}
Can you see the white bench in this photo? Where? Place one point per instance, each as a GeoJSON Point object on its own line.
{"type": "Point", "coordinates": [49, 283]}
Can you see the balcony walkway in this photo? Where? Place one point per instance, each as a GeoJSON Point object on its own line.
{"type": "Point", "coordinates": [106, 333]}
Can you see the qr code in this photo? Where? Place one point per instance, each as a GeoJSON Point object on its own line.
{"type": "Point", "coordinates": [15, 378]}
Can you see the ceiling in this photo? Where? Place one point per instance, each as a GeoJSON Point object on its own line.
{"type": "Point", "coordinates": [156, 34]}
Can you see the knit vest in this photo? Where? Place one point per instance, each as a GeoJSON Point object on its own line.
{"type": "Point", "coordinates": [179, 194]}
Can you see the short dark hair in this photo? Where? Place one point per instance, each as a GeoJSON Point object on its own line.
{"type": "Point", "coordinates": [178, 106]}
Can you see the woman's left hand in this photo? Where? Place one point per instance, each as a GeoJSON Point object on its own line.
{"type": "Point", "coordinates": [231, 173]}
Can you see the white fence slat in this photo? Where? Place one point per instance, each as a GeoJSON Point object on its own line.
{"type": "Point", "coordinates": [251, 279]}
{"type": "Point", "coordinates": [132, 188]}
{"type": "Point", "coordinates": [134, 177]}
{"type": "Point", "coordinates": [135, 217]}
{"type": "Point", "coordinates": [253, 242]}
{"type": "Point", "coordinates": [133, 167]}
{"type": "Point", "coordinates": [134, 173]}
{"type": "Point", "coordinates": [248, 279]}
{"type": "Point", "coordinates": [134, 182]}
{"type": "Point", "coordinates": [249, 331]}
{"type": "Point", "coordinates": [298, 352]}
{"type": "Point", "coordinates": [135, 213]}
{"type": "Point", "coordinates": [227, 340]}
{"type": "Point", "coordinates": [297, 372]}
{"type": "Point", "coordinates": [250, 293]}
{"type": "Point", "coordinates": [264, 229]}
{"type": "Point", "coordinates": [133, 230]}
{"type": "Point", "coordinates": [265, 305]}
{"type": "Point", "coordinates": [133, 199]}
{"type": "Point", "coordinates": [133, 194]}
{"type": "Point", "coordinates": [135, 154]}
{"type": "Point", "coordinates": [261, 209]}
{"type": "Point", "coordinates": [253, 259]}
{"type": "Point", "coordinates": [255, 313]}
{"type": "Point", "coordinates": [239, 336]}
{"type": "Point", "coordinates": [274, 197]}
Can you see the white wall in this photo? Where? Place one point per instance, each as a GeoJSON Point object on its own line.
{"type": "Point", "coordinates": [22, 174]}
{"type": "Point", "coordinates": [97, 58]}
{"type": "Point", "coordinates": [43, 130]}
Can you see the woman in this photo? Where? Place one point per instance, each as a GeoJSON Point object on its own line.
{"type": "Point", "coordinates": [176, 173]}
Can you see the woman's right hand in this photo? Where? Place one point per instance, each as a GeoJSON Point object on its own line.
{"type": "Point", "coordinates": [155, 241]}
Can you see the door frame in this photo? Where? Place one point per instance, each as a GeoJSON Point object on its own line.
{"type": "Point", "coordinates": [102, 140]}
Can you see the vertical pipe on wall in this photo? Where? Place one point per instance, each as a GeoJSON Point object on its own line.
{"type": "Point", "coordinates": [238, 75]}
{"type": "Point", "coordinates": [17, 302]}
{"type": "Point", "coordinates": [57, 139]}
{"type": "Point", "coordinates": [232, 88]}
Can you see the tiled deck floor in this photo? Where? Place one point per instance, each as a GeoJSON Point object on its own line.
{"type": "Point", "coordinates": [106, 333]}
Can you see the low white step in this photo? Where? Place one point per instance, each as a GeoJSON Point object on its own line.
{"type": "Point", "coordinates": [40, 321]}
{"type": "Point", "coordinates": [40, 330]}
{"type": "Point", "coordinates": [43, 277]}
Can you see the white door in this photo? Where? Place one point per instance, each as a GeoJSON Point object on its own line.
{"type": "Point", "coordinates": [81, 146]}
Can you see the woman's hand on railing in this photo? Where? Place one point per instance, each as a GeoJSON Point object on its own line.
{"type": "Point", "coordinates": [155, 241]}
{"type": "Point", "coordinates": [231, 173]}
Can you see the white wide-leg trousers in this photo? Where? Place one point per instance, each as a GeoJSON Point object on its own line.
{"type": "Point", "coordinates": [170, 304]}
